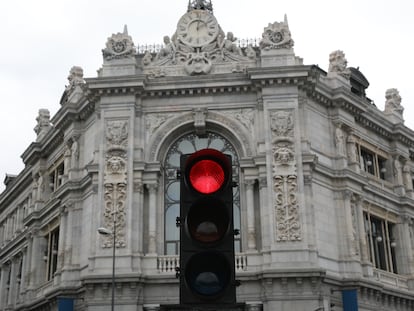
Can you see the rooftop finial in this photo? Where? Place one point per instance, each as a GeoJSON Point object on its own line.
{"type": "Point", "coordinates": [200, 5]}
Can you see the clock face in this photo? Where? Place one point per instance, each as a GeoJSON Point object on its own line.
{"type": "Point", "coordinates": [197, 28]}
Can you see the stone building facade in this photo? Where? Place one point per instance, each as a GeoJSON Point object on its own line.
{"type": "Point", "coordinates": [324, 201]}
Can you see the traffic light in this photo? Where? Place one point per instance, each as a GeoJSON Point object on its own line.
{"type": "Point", "coordinates": [207, 272]}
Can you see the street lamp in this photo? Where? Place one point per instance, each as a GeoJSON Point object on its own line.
{"type": "Point", "coordinates": [106, 232]}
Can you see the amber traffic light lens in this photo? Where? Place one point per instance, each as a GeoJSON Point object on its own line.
{"type": "Point", "coordinates": [206, 176]}
{"type": "Point", "coordinates": [208, 221]}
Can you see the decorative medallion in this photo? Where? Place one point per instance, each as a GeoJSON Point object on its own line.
{"type": "Point", "coordinates": [118, 46]}
{"type": "Point", "coordinates": [277, 36]}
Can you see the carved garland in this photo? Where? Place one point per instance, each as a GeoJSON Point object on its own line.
{"type": "Point", "coordinates": [115, 181]}
{"type": "Point", "coordinates": [288, 225]}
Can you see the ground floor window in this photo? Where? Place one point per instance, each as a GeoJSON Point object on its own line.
{"type": "Point", "coordinates": [380, 234]}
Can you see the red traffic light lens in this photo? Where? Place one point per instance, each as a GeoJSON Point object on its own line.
{"type": "Point", "coordinates": [206, 176]}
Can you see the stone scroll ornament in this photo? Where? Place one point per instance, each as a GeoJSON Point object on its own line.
{"type": "Point", "coordinates": [115, 181]}
{"type": "Point", "coordinates": [285, 188]}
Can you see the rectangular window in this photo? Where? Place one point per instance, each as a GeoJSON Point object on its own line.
{"type": "Point", "coordinates": [51, 254]}
{"type": "Point", "coordinates": [381, 242]}
{"type": "Point", "coordinates": [372, 163]}
{"type": "Point", "coordinates": [56, 176]}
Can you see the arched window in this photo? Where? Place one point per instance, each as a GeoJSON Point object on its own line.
{"type": "Point", "coordinates": [189, 144]}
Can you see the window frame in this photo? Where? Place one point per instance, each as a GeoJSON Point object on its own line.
{"type": "Point", "coordinates": [380, 236]}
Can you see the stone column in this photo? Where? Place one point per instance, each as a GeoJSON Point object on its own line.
{"type": "Point", "coordinates": [404, 250]}
{"type": "Point", "coordinates": [251, 232]}
{"type": "Point", "coordinates": [36, 257]}
{"type": "Point", "coordinates": [264, 213]}
{"type": "Point", "coordinates": [62, 239]}
{"type": "Point", "coordinates": [152, 221]}
{"type": "Point", "coordinates": [361, 229]}
{"type": "Point", "coordinates": [23, 273]}
{"type": "Point", "coordinates": [5, 270]}
{"type": "Point", "coordinates": [350, 233]}
{"type": "Point", "coordinates": [12, 285]}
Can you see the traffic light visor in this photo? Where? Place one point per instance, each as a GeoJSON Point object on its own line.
{"type": "Point", "coordinates": [207, 170]}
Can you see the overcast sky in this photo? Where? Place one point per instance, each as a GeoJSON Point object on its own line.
{"type": "Point", "coordinates": [43, 39]}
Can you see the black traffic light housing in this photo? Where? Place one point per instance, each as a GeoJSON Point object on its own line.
{"type": "Point", "coordinates": [207, 271]}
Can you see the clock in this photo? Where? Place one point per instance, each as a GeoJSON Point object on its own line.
{"type": "Point", "coordinates": [197, 28]}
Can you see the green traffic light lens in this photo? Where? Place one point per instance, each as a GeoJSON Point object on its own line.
{"type": "Point", "coordinates": [207, 274]}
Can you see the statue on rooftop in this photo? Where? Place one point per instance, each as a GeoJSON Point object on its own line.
{"type": "Point", "coordinates": [338, 64]}
{"type": "Point", "coordinates": [75, 77]}
{"type": "Point", "coordinates": [200, 5]}
{"type": "Point", "coordinates": [43, 123]}
{"type": "Point", "coordinates": [393, 102]}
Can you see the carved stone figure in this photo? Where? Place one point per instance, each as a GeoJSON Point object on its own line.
{"type": "Point", "coordinates": [119, 46]}
{"type": "Point", "coordinates": [277, 36]}
{"type": "Point", "coordinates": [198, 63]}
{"type": "Point", "coordinates": [339, 140]}
{"type": "Point", "coordinates": [352, 150]}
{"type": "Point", "coordinates": [196, 46]}
{"type": "Point", "coordinates": [407, 178]}
{"type": "Point", "coordinates": [338, 63]}
{"type": "Point", "coordinates": [75, 150]}
{"type": "Point", "coordinates": [75, 77]}
{"type": "Point", "coordinates": [283, 155]}
{"type": "Point", "coordinates": [250, 52]}
{"type": "Point", "coordinates": [230, 45]}
{"type": "Point", "coordinates": [168, 51]}
{"type": "Point", "coordinates": [393, 102]}
{"type": "Point", "coordinates": [43, 123]}
{"type": "Point", "coordinates": [200, 5]}
{"type": "Point", "coordinates": [146, 60]}
{"type": "Point", "coordinates": [398, 178]}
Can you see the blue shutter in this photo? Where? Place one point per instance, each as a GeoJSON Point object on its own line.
{"type": "Point", "coordinates": [350, 299]}
{"type": "Point", "coordinates": [65, 304]}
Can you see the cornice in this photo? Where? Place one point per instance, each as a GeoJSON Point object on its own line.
{"type": "Point", "coordinates": [48, 144]}
{"type": "Point", "coordinates": [201, 85]}
{"type": "Point", "coordinates": [296, 75]}
{"type": "Point", "coordinates": [16, 188]}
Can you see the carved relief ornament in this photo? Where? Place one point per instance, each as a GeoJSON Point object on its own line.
{"type": "Point", "coordinates": [115, 181]}
{"type": "Point", "coordinates": [277, 36]}
{"type": "Point", "coordinates": [195, 47]}
{"type": "Point", "coordinates": [286, 205]}
{"type": "Point", "coordinates": [119, 46]}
